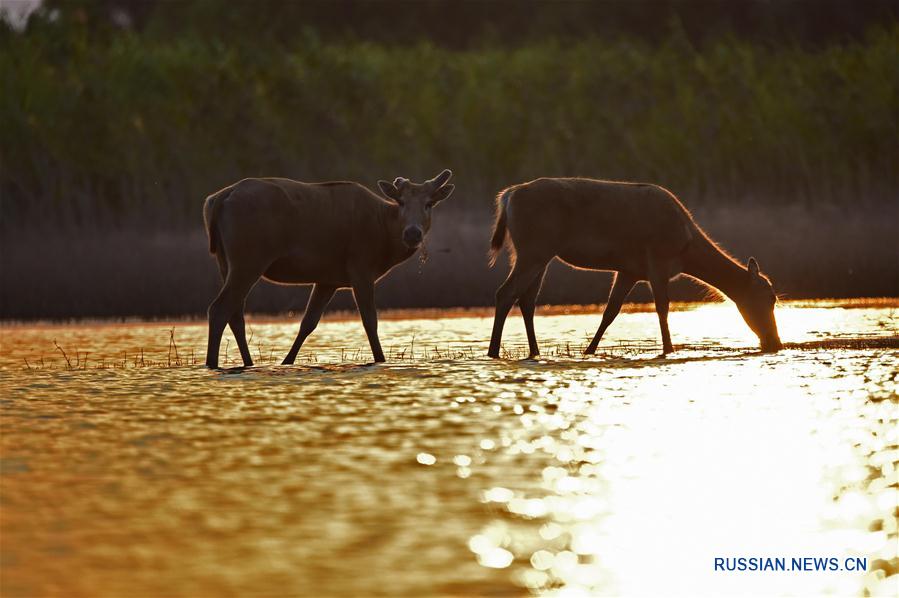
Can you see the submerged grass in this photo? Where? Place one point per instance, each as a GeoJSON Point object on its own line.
{"type": "Point", "coordinates": [137, 359]}
{"type": "Point", "coordinates": [267, 356]}
{"type": "Point", "coordinates": [402, 353]}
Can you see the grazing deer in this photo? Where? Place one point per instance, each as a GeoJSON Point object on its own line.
{"type": "Point", "coordinates": [331, 235]}
{"type": "Point", "coordinates": [640, 231]}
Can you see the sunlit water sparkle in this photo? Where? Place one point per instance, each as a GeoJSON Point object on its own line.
{"type": "Point", "coordinates": [446, 473]}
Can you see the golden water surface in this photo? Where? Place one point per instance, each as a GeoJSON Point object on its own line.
{"type": "Point", "coordinates": [130, 470]}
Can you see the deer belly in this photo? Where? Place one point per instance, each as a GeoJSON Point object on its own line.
{"type": "Point", "coordinates": [300, 270]}
{"type": "Point", "coordinates": [599, 255]}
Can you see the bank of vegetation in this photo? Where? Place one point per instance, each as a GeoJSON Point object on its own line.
{"type": "Point", "coordinates": [121, 135]}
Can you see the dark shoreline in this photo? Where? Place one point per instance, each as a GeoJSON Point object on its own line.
{"type": "Point", "coordinates": [809, 253]}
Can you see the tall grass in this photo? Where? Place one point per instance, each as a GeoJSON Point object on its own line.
{"type": "Point", "coordinates": [135, 130]}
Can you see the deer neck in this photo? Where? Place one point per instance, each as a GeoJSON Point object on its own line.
{"type": "Point", "coordinates": [705, 261]}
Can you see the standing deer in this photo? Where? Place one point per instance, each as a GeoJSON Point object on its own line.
{"type": "Point", "coordinates": [640, 231]}
{"type": "Point", "coordinates": [331, 235]}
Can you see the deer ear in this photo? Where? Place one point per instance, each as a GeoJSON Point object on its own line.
{"type": "Point", "coordinates": [441, 194]}
{"type": "Point", "coordinates": [441, 179]}
{"type": "Point", "coordinates": [753, 267]}
{"type": "Point", "coordinates": [389, 190]}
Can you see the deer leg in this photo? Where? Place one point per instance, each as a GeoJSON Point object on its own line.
{"type": "Point", "coordinates": [520, 278]}
{"type": "Point", "coordinates": [315, 307]}
{"type": "Point", "coordinates": [237, 324]}
{"type": "Point", "coordinates": [621, 287]}
{"type": "Point", "coordinates": [229, 300]}
{"type": "Point", "coordinates": [528, 303]}
{"type": "Point", "coordinates": [239, 329]}
{"type": "Point", "coordinates": [364, 294]}
{"type": "Point", "coordinates": [217, 322]}
{"type": "Point", "coordinates": [658, 280]}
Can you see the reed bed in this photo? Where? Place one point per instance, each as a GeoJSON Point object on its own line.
{"type": "Point", "coordinates": [135, 130]}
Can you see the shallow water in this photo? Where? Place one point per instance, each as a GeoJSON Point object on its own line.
{"type": "Point", "coordinates": [443, 472]}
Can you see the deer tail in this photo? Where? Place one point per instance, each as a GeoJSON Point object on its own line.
{"type": "Point", "coordinates": [500, 228]}
{"type": "Point", "coordinates": [211, 210]}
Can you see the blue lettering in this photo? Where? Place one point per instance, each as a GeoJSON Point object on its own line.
{"type": "Point", "coordinates": [763, 563]}
{"type": "Point", "coordinates": [856, 564]}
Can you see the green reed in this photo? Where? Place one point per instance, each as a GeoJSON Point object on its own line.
{"type": "Point", "coordinates": [128, 128]}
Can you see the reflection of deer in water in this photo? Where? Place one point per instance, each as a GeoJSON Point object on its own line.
{"type": "Point", "coordinates": [640, 231]}
{"type": "Point", "coordinates": [331, 235]}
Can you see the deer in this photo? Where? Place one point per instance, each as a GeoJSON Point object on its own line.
{"type": "Point", "coordinates": [331, 235]}
{"type": "Point", "coordinates": [639, 231]}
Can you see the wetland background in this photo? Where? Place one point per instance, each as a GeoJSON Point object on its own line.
{"type": "Point", "coordinates": [776, 124]}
